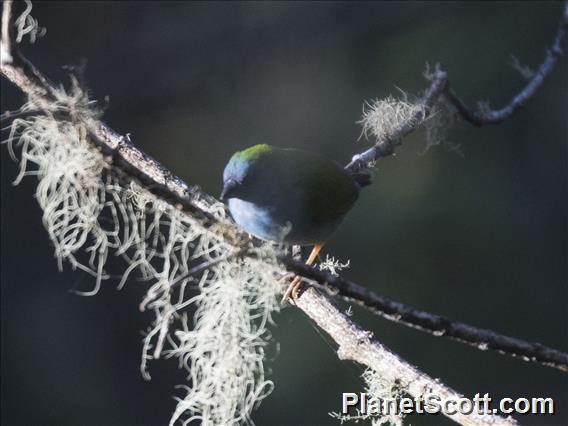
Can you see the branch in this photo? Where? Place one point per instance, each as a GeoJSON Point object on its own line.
{"type": "Point", "coordinates": [136, 165]}
{"type": "Point", "coordinates": [386, 147]}
{"type": "Point", "coordinates": [437, 325]}
{"type": "Point", "coordinates": [440, 85]}
{"type": "Point", "coordinates": [5, 43]}
{"type": "Point", "coordinates": [356, 344]}
{"type": "Point", "coordinates": [118, 149]}
{"type": "Point", "coordinates": [487, 116]}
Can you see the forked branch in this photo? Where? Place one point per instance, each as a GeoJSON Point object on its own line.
{"type": "Point", "coordinates": [440, 85]}
{"type": "Point", "coordinates": [487, 116]}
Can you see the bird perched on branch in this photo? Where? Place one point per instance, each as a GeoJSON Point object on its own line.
{"type": "Point", "coordinates": [289, 196]}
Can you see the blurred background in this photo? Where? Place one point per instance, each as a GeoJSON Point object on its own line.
{"type": "Point", "coordinates": [479, 234]}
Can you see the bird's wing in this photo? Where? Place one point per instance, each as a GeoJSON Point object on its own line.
{"type": "Point", "coordinates": [329, 191]}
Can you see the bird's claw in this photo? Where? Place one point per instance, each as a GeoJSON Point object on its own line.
{"type": "Point", "coordinates": [291, 292]}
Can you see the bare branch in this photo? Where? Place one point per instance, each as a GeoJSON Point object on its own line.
{"type": "Point", "coordinates": [437, 325]}
{"type": "Point", "coordinates": [482, 117]}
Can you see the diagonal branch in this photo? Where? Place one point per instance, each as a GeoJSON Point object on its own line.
{"type": "Point", "coordinates": [356, 344]}
{"type": "Point", "coordinates": [134, 164]}
{"type": "Point", "coordinates": [386, 147]}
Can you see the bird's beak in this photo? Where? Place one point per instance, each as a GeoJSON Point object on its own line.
{"type": "Point", "coordinates": [229, 188]}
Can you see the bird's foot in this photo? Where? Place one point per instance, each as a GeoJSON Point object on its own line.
{"type": "Point", "coordinates": [294, 286]}
{"type": "Point", "coordinates": [291, 292]}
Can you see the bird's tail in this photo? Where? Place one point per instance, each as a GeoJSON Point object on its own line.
{"type": "Point", "coordinates": [362, 178]}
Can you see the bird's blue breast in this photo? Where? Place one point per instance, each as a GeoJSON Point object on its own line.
{"type": "Point", "coordinates": [285, 224]}
{"type": "Point", "coordinates": [258, 221]}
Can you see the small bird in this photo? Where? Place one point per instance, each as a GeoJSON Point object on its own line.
{"type": "Point", "coordinates": [289, 196]}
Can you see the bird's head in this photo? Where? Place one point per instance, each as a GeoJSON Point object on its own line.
{"type": "Point", "coordinates": [239, 173]}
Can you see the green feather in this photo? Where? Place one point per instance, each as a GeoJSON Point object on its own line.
{"type": "Point", "coordinates": [254, 152]}
{"type": "Point", "coordinates": [329, 191]}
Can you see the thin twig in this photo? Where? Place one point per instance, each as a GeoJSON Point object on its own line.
{"type": "Point", "coordinates": [487, 116]}
{"type": "Point", "coordinates": [386, 147]}
{"type": "Point", "coordinates": [10, 115]}
{"type": "Point", "coordinates": [205, 265]}
{"type": "Point", "coordinates": [5, 43]}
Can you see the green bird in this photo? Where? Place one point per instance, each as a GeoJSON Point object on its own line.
{"type": "Point", "coordinates": [289, 196]}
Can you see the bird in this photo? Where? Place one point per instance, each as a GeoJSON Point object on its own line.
{"type": "Point", "coordinates": [289, 196]}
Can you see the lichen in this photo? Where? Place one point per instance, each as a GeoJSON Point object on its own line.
{"type": "Point", "coordinates": [213, 319]}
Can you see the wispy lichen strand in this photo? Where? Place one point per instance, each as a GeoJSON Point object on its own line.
{"type": "Point", "coordinates": [233, 308]}
{"type": "Point", "coordinates": [214, 321]}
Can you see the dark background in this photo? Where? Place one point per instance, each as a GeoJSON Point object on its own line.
{"type": "Point", "coordinates": [481, 238]}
